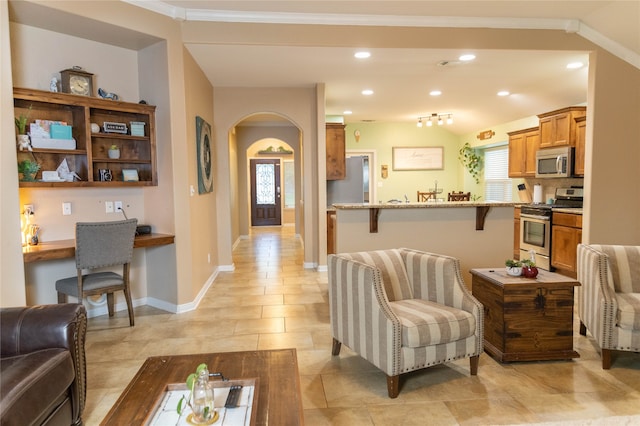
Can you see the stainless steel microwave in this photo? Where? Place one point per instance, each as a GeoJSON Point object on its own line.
{"type": "Point", "coordinates": [554, 162]}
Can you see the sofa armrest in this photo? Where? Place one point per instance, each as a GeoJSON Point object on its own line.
{"type": "Point", "coordinates": [361, 317]}
{"type": "Point", "coordinates": [29, 329]}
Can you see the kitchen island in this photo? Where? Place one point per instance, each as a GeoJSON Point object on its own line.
{"type": "Point", "coordinates": [480, 234]}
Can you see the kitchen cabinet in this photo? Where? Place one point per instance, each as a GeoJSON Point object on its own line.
{"type": "Point", "coordinates": [558, 128]}
{"type": "Point", "coordinates": [566, 234]}
{"type": "Point", "coordinates": [137, 152]}
{"type": "Point", "coordinates": [523, 145]}
{"type": "Point", "coordinates": [516, 233]}
{"type": "Point", "coordinates": [336, 151]}
{"type": "Point", "coordinates": [581, 128]}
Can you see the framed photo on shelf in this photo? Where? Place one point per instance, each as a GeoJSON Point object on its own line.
{"type": "Point", "coordinates": [418, 158]}
{"type": "Point", "coordinates": [130, 175]}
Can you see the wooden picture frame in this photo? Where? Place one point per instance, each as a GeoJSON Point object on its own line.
{"type": "Point", "coordinates": [418, 158]}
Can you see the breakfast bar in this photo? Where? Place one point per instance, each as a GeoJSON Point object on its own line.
{"type": "Point", "coordinates": [477, 233]}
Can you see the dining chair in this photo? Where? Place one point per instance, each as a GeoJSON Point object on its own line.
{"type": "Point", "coordinates": [425, 196]}
{"type": "Point", "coordinates": [459, 196]}
{"type": "Point", "coordinates": [100, 245]}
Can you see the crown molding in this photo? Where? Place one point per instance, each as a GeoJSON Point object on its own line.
{"type": "Point", "coordinates": [568, 25]}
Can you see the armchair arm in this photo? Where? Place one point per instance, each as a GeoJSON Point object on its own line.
{"type": "Point", "coordinates": [29, 329]}
{"type": "Point", "coordinates": [361, 317]}
{"type": "Point", "coordinates": [597, 304]}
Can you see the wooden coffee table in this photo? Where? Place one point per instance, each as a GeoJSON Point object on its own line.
{"type": "Point", "coordinates": [526, 319]}
{"type": "Point", "coordinates": [279, 400]}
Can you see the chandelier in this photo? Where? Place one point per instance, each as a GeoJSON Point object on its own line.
{"type": "Point", "coordinates": [439, 119]}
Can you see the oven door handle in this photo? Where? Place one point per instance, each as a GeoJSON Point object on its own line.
{"type": "Point", "coordinates": [532, 216]}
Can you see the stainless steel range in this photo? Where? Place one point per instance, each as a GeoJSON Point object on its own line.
{"type": "Point", "coordinates": [535, 225]}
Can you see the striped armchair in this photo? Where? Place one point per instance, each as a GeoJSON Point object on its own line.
{"type": "Point", "coordinates": [403, 310]}
{"type": "Point", "coordinates": [609, 298]}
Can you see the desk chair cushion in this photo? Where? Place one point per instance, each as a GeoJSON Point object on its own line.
{"type": "Point", "coordinates": [90, 282]}
{"type": "Point", "coordinates": [426, 323]}
{"type": "Point", "coordinates": [392, 268]}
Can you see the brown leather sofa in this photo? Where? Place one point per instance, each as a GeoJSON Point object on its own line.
{"type": "Point", "coordinates": [42, 365]}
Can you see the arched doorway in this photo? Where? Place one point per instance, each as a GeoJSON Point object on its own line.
{"type": "Point", "coordinates": [272, 137]}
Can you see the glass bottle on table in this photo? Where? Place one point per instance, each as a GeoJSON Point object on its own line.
{"type": "Point", "coordinates": [202, 405]}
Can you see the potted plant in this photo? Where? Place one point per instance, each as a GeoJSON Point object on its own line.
{"type": "Point", "coordinates": [22, 138]}
{"type": "Point", "coordinates": [114, 152]}
{"type": "Point", "coordinates": [514, 267]}
{"type": "Point", "coordinates": [471, 161]}
{"type": "Point", "coordinates": [529, 269]}
{"type": "Point", "coordinates": [28, 169]}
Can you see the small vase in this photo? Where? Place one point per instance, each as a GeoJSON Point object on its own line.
{"type": "Point", "coordinates": [202, 400]}
{"type": "Point", "coordinates": [530, 271]}
{"type": "Point", "coordinates": [114, 154]}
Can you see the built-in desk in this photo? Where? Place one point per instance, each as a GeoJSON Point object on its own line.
{"type": "Point", "coordinates": [64, 249]}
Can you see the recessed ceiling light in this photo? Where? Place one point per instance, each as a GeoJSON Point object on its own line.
{"type": "Point", "coordinates": [367, 92]}
{"type": "Point", "coordinates": [435, 93]}
{"type": "Point", "coordinates": [362, 55]}
{"type": "Point", "coordinates": [347, 112]}
{"type": "Point", "coordinates": [467, 57]}
{"type": "Point", "coordinates": [575, 65]}
{"type": "Point", "coordinates": [503, 93]}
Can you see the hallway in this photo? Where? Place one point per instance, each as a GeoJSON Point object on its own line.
{"type": "Point", "coordinates": [270, 301]}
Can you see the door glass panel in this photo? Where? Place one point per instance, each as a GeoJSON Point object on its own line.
{"type": "Point", "coordinates": [534, 233]}
{"type": "Point", "coordinates": [289, 185]}
{"type": "Point", "coordinates": [265, 184]}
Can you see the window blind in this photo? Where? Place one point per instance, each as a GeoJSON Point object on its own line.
{"type": "Point", "coordinates": [496, 174]}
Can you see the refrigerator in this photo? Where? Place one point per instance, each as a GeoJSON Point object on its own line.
{"type": "Point", "coordinates": [355, 187]}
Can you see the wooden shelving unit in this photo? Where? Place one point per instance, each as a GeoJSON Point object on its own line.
{"type": "Point", "coordinates": [91, 153]}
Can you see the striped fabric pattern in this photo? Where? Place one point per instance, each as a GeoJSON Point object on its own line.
{"type": "Point", "coordinates": [391, 265]}
{"type": "Point", "coordinates": [625, 266]}
{"type": "Point", "coordinates": [426, 323]}
{"type": "Point", "coordinates": [600, 308]}
{"type": "Point", "coordinates": [373, 318]}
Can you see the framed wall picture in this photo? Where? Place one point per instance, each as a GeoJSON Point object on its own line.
{"type": "Point", "coordinates": [130, 175]}
{"type": "Point", "coordinates": [204, 148]}
{"type": "Point", "coordinates": [418, 158]}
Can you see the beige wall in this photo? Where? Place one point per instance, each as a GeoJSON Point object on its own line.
{"type": "Point", "coordinates": [202, 207]}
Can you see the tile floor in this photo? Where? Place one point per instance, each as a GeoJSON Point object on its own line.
{"type": "Point", "coordinates": [270, 301]}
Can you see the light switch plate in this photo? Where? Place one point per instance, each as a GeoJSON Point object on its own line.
{"type": "Point", "coordinates": [66, 209]}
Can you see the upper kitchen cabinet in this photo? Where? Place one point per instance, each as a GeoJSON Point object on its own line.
{"type": "Point", "coordinates": [111, 143]}
{"type": "Point", "coordinates": [336, 151]}
{"type": "Point", "coordinates": [558, 128]}
{"type": "Point", "coordinates": [523, 145]}
{"type": "Point", "coordinates": [581, 126]}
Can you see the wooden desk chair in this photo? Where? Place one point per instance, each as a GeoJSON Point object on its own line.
{"type": "Point", "coordinates": [425, 196]}
{"type": "Point", "coordinates": [99, 245]}
{"type": "Point", "coordinates": [459, 196]}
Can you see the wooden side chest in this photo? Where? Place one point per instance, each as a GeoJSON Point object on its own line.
{"type": "Point", "coordinates": [526, 319]}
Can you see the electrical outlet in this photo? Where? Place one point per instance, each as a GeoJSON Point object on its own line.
{"type": "Point", "coordinates": [108, 206]}
{"type": "Point", "coordinates": [118, 206]}
{"type": "Point", "coordinates": [66, 209]}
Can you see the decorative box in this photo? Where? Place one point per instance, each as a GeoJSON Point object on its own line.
{"type": "Point", "coordinates": [111, 127]}
{"type": "Point", "coordinates": [137, 128]}
{"type": "Point", "coordinates": [60, 131]}
{"type": "Point", "coordinates": [48, 143]}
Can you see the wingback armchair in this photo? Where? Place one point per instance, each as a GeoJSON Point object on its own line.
{"type": "Point", "coordinates": [609, 298]}
{"type": "Point", "coordinates": [403, 310]}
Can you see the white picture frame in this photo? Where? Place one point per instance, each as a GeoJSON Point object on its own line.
{"type": "Point", "coordinates": [130, 175]}
{"type": "Point", "coordinates": [418, 158]}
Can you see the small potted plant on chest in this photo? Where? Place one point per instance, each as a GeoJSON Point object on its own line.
{"type": "Point", "coordinates": [514, 267]}
{"type": "Point", "coordinates": [529, 269]}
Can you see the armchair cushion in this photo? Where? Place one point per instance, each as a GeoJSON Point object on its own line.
{"type": "Point", "coordinates": [624, 266]}
{"type": "Point", "coordinates": [392, 268]}
{"type": "Point", "coordinates": [628, 314]}
{"type": "Point", "coordinates": [426, 323]}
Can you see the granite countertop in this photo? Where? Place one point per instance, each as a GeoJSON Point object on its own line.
{"type": "Point", "coordinates": [427, 205]}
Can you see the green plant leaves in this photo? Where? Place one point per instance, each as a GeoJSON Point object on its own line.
{"type": "Point", "coordinates": [471, 161]}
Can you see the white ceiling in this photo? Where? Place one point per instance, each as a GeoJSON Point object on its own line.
{"type": "Point", "coordinates": [402, 77]}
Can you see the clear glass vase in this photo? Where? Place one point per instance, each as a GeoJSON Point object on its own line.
{"type": "Point", "coordinates": [202, 399]}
